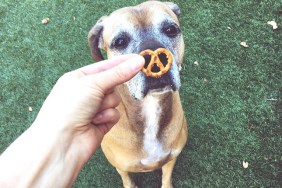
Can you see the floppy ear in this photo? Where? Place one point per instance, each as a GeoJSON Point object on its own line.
{"type": "Point", "coordinates": [95, 40]}
{"type": "Point", "coordinates": [174, 7]}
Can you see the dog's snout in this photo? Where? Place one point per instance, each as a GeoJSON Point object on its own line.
{"type": "Point", "coordinates": [151, 45]}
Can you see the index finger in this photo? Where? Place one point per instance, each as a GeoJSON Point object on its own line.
{"type": "Point", "coordinates": [104, 65]}
{"type": "Point", "coordinates": [117, 75]}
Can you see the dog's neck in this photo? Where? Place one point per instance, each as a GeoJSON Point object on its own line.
{"type": "Point", "coordinates": [150, 119]}
{"type": "Point", "coordinates": [154, 109]}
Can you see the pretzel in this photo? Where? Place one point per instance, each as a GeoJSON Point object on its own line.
{"type": "Point", "coordinates": [155, 61]}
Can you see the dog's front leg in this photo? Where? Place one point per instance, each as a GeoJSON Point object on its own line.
{"type": "Point", "coordinates": [126, 179]}
{"type": "Point", "coordinates": [167, 172]}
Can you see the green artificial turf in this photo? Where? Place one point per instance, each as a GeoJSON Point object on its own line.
{"type": "Point", "coordinates": [232, 97]}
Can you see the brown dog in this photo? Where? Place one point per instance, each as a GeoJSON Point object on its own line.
{"type": "Point", "coordinates": [152, 130]}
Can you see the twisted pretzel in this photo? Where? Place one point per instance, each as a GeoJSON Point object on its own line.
{"type": "Point", "coordinates": [155, 61]}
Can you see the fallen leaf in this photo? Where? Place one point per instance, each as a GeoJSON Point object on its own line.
{"type": "Point", "coordinates": [272, 99]}
{"type": "Point", "coordinates": [244, 44]}
{"type": "Point", "coordinates": [179, 68]}
{"type": "Point", "coordinates": [245, 164]}
{"type": "Point", "coordinates": [45, 21]}
{"type": "Point", "coordinates": [273, 24]}
{"type": "Point", "coordinates": [30, 109]}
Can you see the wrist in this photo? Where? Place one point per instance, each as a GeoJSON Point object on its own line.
{"type": "Point", "coordinates": [40, 158]}
{"type": "Point", "coordinates": [61, 164]}
{"type": "Point", "coordinates": [62, 142]}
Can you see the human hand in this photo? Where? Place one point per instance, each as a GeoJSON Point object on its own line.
{"type": "Point", "coordinates": [70, 126]}
{"type": "Point", "coordinates": [82, 104]}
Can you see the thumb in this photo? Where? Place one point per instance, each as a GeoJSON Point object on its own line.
{"type": "Point", "coordinates": [117, 75]}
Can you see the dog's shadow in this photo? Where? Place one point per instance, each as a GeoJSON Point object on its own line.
{"type": "Point", "coordinates": [147, 179]}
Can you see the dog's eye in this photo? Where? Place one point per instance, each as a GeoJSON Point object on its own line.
{"type": "Point", "coordinates": [121, 42]}
{"type": "Point", "coordinates": [171, 30]}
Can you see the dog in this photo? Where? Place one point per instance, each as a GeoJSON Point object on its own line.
{"type": "Point", "coordinates": [152, 129]}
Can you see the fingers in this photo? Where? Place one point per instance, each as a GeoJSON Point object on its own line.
{"type": "Point", "coordinates": [104, 128]}
{"type": "Point", "coordinates": [117, 75]}
{"type": "Point", "coordinates": [106, 119]}
{"type": "Point", "coordinates": [104, 65]}
{"type": "Point", "coordinates": [111, 100]}
{"type": "Point", "coordinates": [107, 113]}
{"type": "Point", "coordinates": [108, 116]}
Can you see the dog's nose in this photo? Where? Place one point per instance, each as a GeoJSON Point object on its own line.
{"type": "Point", "coordinates": [151, 45]}
{"type": "Point", "coordinates": [162, 57]}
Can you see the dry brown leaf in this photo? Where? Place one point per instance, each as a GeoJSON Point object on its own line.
{"type": "Point", "coordinates": [45, 21]}
{"type": "Point", "coordinates": [245, 164]}
{"type": "Point", "coordinates": [273, 24]}
{"type": "Point", "coordinates": [244, 44]}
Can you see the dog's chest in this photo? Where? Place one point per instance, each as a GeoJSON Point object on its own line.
{"type": "Point", "coordinates": [151, 144]}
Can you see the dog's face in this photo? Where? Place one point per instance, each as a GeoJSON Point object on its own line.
{"type": "Point", "coordinates": [150, 25]}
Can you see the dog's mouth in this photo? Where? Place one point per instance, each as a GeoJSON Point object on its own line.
{"type": "Point", "coordinates": [163, 84]}
{"type": "Point", "coordinates": [157, 77]}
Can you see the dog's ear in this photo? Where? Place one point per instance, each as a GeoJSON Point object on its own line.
{"type": "Point", "coordinates": [95, 40]}
{"type": "Point", "coordinates": [174, 7]}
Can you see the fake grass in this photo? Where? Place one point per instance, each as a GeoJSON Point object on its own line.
{"type": "Point", "coordinates": [232, 97]}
